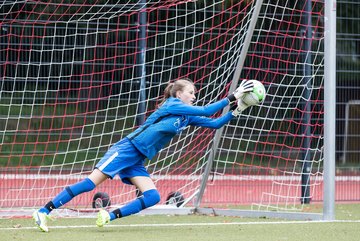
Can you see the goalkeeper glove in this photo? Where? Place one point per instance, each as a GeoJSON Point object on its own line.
{"type": "Point", "coordinates": [240, 107]}
{"type": "Point", "coordinates": [245, 86]}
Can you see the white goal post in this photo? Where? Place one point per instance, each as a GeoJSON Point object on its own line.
{"type": "Point", "coordinates": [77, 77]}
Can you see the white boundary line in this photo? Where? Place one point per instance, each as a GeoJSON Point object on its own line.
{"type": "Point", "coordinates": [184, 224]}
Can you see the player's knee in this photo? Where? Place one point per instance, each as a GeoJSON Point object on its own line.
{"type": "Point", "coordinates": [151, 197]}
{"type": "Point", "coordinates": [85, 185]}
{"type": "Point", "coordinates": [90, 185]}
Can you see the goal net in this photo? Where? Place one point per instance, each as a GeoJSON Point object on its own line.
{"type": "Point", "coordinates": [77, 76]}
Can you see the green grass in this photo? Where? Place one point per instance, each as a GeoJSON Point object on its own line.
{"type": "Point", "coordinates": [192, 227]}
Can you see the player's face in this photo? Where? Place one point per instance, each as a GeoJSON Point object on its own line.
{"type": "Point", "coordinates": [187, 95]}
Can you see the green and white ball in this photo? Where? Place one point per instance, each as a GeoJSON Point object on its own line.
{"type": "Point", "coordinates": [256, 96]}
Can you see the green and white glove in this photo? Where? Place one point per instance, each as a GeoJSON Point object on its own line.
{"type": "Point", "coordinates": [244, 87]}
{"type": "Point", "coordinates": [240, 107]}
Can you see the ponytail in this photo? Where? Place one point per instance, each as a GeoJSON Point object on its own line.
{"type": "Point", "coordinates": [167, 91]}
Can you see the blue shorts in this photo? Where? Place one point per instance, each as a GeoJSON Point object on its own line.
{"type": "Point", "coordinates": [123, 159]}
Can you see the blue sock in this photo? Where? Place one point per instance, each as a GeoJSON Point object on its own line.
{"type": "Point", "coordinates": [149, 198]}
{"type": "Point", "coordinates": [67, 194]}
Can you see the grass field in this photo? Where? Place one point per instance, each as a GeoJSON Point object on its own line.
{"type": "Point", "coordinates": [192, 227]}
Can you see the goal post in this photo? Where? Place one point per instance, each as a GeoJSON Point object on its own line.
{"type": "Point", "coordinates": [233, 85]}
{"type": "Point", "coordinates": [330, 110]}
{"type": "Point", "coordinates": [78, 76]}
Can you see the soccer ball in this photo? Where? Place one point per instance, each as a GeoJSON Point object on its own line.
{"type": "Point", "coordinates": [101, 200]}
{"type": "Point", "coordinates": [175, 198]}
{"type": "Point", "coordinates": [256, 96]}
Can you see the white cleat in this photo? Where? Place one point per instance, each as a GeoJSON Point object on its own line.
{"type": "Point", "coordinates": [103, 217]}
{"type": "Point", "coordinates": [41, 220]}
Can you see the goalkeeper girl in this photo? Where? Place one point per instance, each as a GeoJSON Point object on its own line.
{"type": "Point", "coordinates": [126, 157]}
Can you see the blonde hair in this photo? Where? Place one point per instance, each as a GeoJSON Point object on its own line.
{"type": "Point", "coordinates": [174, 86]}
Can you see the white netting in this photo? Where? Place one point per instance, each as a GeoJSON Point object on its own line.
{"type": "Point", "coordinates": [77, 77]}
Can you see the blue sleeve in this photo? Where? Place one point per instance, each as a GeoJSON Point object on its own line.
{"type": "Point", "coordinates": [214, 123]}
{"type": "Point", "coordinates": [179, 108]}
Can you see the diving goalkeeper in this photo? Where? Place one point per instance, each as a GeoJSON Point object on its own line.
{"type": "Point", "coordinates": [126, 157]}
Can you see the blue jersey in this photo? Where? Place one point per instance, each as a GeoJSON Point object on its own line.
{"type": "Point", "coordinates": [170, 119]}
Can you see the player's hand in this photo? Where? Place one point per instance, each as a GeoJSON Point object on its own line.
{"type": "Point", "coordinates": [240, 107]}
{"type": "Point", "coordinates": [245, 86]}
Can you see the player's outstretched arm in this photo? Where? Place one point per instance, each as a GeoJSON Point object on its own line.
{"type": "Point", "coordinates": [179, 108]}
{"type": "Point", "coordinates": [213, 123]}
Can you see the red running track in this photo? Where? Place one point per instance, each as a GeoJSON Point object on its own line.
{"type": "Point", "coordinates": [35, 192]}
